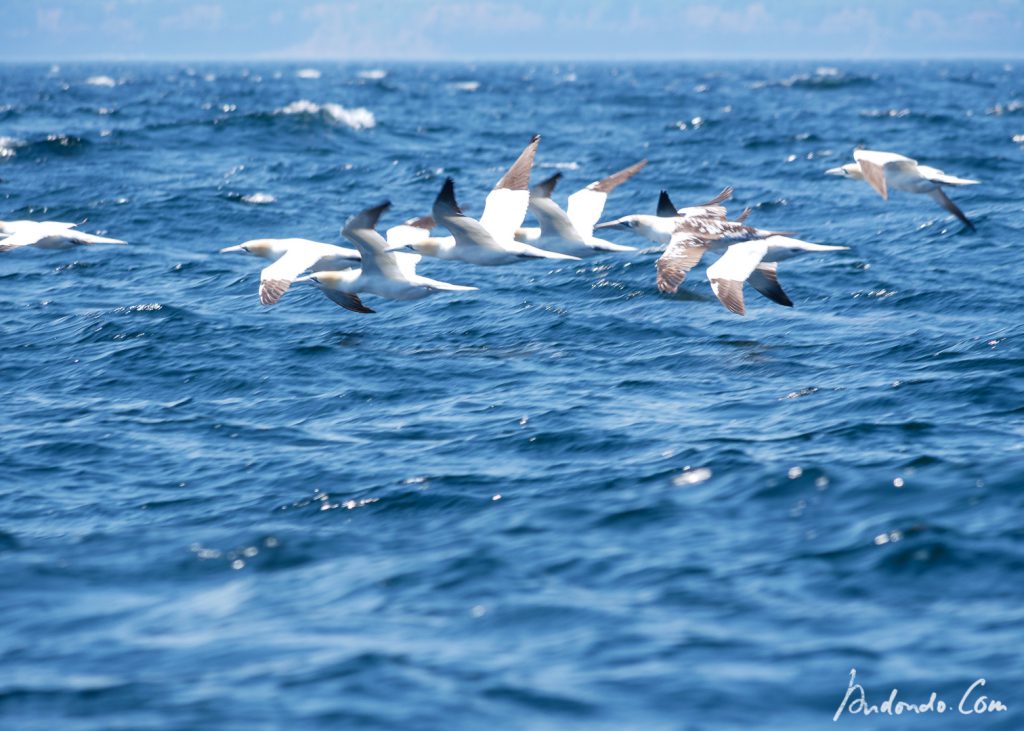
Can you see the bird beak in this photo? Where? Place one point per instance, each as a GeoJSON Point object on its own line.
{"type": "Point", "coordinates": [620, 224]}
{"type": "Point", "coordinates": [307, 278]}
{"type": "Point", "coordinates": [230, 249]}
{"type": "Point", "coordinates": [834, 171]}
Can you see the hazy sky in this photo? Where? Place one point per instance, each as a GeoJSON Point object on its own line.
{"type": "Point", "coordinates": [60, 30]}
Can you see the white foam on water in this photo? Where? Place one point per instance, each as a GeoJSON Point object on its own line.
{"type": "Point", "coordinates": [373, 74]}
{"type": "Point", "coordinates": [101, 81]}
{"type": "Point", "coordinates": [259, 199]}
{"type": "Point", "coordinates": [465, 85]}
{"type": "Point", "coordinates": [9, 146]}
{"type": "Point", "coordinates": [308, 73]}
{"type": "Point", "coordinates": [357, 118]}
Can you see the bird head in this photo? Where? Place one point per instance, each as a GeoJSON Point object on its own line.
{"type": "Point", "coordinates": [850, 170]}
{"type": "Point", "coordinates": [256, 247]}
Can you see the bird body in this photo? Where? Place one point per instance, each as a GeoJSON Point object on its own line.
{"type": "Point", "coordinates": [47, 235]}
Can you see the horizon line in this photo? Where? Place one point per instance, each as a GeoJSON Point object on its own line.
{"type": "Point", "coordinates": [510, 60]}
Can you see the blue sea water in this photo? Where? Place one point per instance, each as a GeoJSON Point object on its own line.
{"type": "Point", "coordinates": [564, 501]}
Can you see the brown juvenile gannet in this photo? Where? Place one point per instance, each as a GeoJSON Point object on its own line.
{"type": "Point", "coordinates": [749, 255]}
{"type": "Point", "coordinates": [661, 227]}
{"type": "Point", "coordinates": [383, 272]}
{"type": "Point", "coordinates": [572, 231]}
{"type": "Point", "coordinates": [884, 170]}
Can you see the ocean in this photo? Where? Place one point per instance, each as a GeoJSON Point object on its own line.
{"type": "Point", "coordinates": [565, 501]}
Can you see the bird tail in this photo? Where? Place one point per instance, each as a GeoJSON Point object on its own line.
{"type": "Point", "coordinates": [94, 239]}
{"type": "Point", "coordinates": [532, 252]}
{"type": "Point", "coordinates": [447, 286]}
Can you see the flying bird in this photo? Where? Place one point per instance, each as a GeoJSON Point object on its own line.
{"type": "Point", "coordinates": [884, 170]}
{"type": "Point", "coordinates": [293, 257]}
{"type": "Point", "coordinates": [47, 235]}
{"type": "Point", "coordinates": [383, 272]}
{"type": "Point", "coordinates": [572, 231]}
{"type": "Point", "coordinates": [491, 240]}
{"type": "Point", "coordinates": [661, 227]}
{"type": "Point", "coordinates": [749, 255]}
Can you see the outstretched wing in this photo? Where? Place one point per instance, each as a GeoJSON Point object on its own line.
{"type": "Point", "coordinates": [350, 302]}
{"type": "Point", "coordinates": [681, 255]}
{"type": "Point", "coordinates": [586, 206]}
{"type": "Point", "coordinates": [765, 280]}
{"type": "Point", "coordinates": [372, 248]}
{"type": "Point", "coordinates": [506, 205]}
{"type": "Point", "coordinates": [552, 219]}
{"type": "Point", "coordinates": [467, 231]}
{"type": "Point", "coordinates": [728, 274]}
{"type": "Point", "coordinates": [278, 277]}
{"type": "Point", "coordinates": [411, 232]}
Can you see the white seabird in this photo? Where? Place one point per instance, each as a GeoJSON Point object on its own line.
{"type": "Point", "coordinates": [383, 272]}
{"type": "Point", "coordinates": [661, 227]}
{"type": "Point", "coordinates": [753, 259]}
{"type": "Point", "coordinates": [47, 235]}
{"type": "Point", "coordinates": [884, 170]}
{"type": "Point", "coordinates": [491, 240]}
{"type": "Point", "coordinates": [295, 256]}
{"type": "Point", "coordinates": [572, 231]}
{"type": "Point", "coordinates": [291, 257]}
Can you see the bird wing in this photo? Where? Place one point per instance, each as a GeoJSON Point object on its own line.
{"type": "Point", "coordinates": [728, 274]}
{"type": "Point", "coordinates": [942, 199]}
{"type": "Point", "coordinates": [681, 255]}
{"type": "Point", "coordinates": [666, 208]}
{"type": "Point", "coordinates": [348, 301]}
{"type": "Point", "coordinates": [553, 220]}
{"type": "Point", "coordinates": [466, 231]}
{"type": "Point", "coordinates": [372, 248]}
{"type": "Point", "coordinates": [586, 206]}
{"type": "Point", "coordinates": [277, 278]}
{"type": "Point", "coordinates": [724, 195]}
{"type": "Point", "coordinates": [411, 232]}
{"type": "Point", "coordinates": [874, 164]}
{"type": "Point", "coordinates": [506, 205]}
{"type": "Point", "coordinates": [25, 236]}
{"type": "Point", "coordinates": [765, 280]}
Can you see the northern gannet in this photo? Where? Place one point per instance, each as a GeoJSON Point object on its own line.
{"type": "Point", "coordinates": [47, 235]}
{"type": "Point", "coordinates": [491, 240]}
{"type": "Point", "coordinates": [383, 272]}
{"type": "Point", "coordinates": [661, 227]}
{"type": "Point", "coordinates": [292, 257]}
{"type": "Point", "coordinates": [884, 170]}
{"type": "Point", "coordinates": [754, 259]}
{"type": "Point", "coordinates": [572, 231]}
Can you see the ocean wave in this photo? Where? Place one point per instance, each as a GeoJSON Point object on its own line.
{"type": "Point", "coordinates": [373, 74]}
{"type": "Point", "coordinates": [824, 77]}
{"type": "Point", "coordinates": [465, 85]}
{"type": "Point", "coordinates": [308, 74]}
{"type": "Point", "coordinates": [9, 146]}
{"type": "Point", "coordinates": [357, 118]}
{"type": "Point", "coordinates": [60, 144]}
